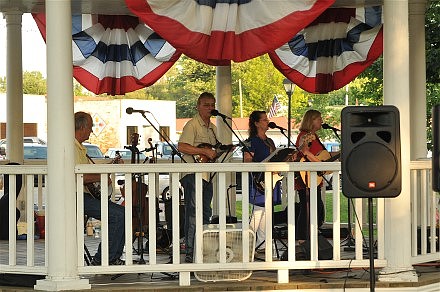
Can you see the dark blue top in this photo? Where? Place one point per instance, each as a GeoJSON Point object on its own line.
{"type": "Point", "coordinates": [260, 148]}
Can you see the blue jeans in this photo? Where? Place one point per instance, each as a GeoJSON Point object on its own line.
{"type": "Point", "coordinates": [189, 187]}
{"type": "Point", "coordinates": [116, 225]}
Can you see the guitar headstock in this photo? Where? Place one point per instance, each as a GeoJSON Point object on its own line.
{"type": "Point", "coordinates": [134, 139]}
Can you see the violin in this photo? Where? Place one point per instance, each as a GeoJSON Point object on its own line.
{"type": "Point", "coordinates": [139, 193]}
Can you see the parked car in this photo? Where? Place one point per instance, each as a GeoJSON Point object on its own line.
{"type": "Point", "coordinates": [165, 152]}
{"type": "Point", "coordinates": [26, 140]}
{"type": "Point", "coordinates": [93, 150]}
{"type": "Point", "coordinates": [124, 153]}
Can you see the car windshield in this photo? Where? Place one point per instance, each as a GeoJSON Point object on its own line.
{"type": "Point", "coordinates": [125, 154]}
{"type": "Point", "coordinates": [93, 151]}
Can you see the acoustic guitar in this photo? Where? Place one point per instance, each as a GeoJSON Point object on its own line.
{"type": "Point", "coordinates": [219, 149]}
{"type": "Point", "coordinates": [323, 156]}
{"type": "Point", "coordinates": [95, 187]}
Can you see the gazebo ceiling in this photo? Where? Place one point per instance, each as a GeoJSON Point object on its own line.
{"type": "Point", "coordinates": [118, 7]}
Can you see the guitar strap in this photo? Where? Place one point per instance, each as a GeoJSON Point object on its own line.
{"type": "Point", "coordinates": [259, 176]}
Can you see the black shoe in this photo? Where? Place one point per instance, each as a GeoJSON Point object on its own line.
{"type": "Point", "coordinates": [284, 256]}
{"type": "Point", "coordinates": [188, 258]}
{"type": "Point", "coordinates": [117, 262]}
{"type": "Point", "coordinates": [95, 262]}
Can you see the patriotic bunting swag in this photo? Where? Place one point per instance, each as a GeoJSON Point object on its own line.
{"type": "Point", "coordinates": [215, 32]}
{"type": "Point", "coordinates": [115, 54]}
{"type": "Point", "coordinates": [333, 49]}
{"type": "Point", "coordinates": [318, 48]}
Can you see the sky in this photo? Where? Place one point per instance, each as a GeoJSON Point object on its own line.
{"type": "Point", "coordinates": [34, 48]}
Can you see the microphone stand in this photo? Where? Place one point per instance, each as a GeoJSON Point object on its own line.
{"type": "Point", "coordinates": [174, 152]}
{"type": "Point", "coordinates": [240, 143]}
{"type": "Point", "coordinates": [335, 131]}
{"type": "Point", "coordinates": [288, 140]}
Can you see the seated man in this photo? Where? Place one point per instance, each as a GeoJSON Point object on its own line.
{"type": "Point", "coordinates": [92, 205]}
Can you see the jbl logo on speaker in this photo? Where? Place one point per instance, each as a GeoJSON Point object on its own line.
{"type": "Point", "coordinates": [371, 165]}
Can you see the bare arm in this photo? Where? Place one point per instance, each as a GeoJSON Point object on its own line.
{"type": "Point", "coordinates": [247, 156]}
{"type": "Point", "coordinates": [192, 150]}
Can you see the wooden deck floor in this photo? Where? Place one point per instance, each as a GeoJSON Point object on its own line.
{"type": "Point", "coordinates": [259, 280]}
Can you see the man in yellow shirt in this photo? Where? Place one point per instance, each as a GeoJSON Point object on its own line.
{"type": "Point", "coordinates": [92, 206]}
{"type": "Point", "coordinates": [199, 130]}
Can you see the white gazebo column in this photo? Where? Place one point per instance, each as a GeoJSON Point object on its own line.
{"type": "Point", "coordinates": [224, 105]}
{"type": "Point", "coordinates": [61, 198]}
{"type": "Point", "coordinates": [224, 102]}
{"type": "Point", "coordinates": [417, 80]}
{"type": "Point", "coordinates": [14, 87]}
{"type": "Point", "coordinates": [396, 92]}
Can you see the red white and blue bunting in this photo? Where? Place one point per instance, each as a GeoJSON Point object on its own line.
{"type": "Point", "coordinates": [318, 48]}
{"type": "Point", "coordinates": [333, 49]}
{"type": "Point", "coordinates": [218, 31]}
{"type": "Point", "coordinates": [116, 54]}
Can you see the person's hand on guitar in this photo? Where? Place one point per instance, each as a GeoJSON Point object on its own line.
{"type": "Point", "coordinates": [206, 154]}
{"type": "Point", "coordinates": [93, 180]}
{"type": "Point", "coordinates": [304, 148]}
{"type": "Point", "coordinates": [210, 153]}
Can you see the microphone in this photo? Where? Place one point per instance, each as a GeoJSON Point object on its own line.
{"type": "Point", "coordinates": [272, 125]}
{"type": "Point", "coordinates": [217, 113]}
{"type": "Point", "coordinates": [328, 127]}
{"type": "Point", "coordinates": [130, 110]}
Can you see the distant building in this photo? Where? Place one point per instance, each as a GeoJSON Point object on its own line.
{"type": "Point", "coordinates": [112, 125]}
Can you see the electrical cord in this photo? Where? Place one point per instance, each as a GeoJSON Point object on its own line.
{"type": "Point", "coordinates": [346, 277]}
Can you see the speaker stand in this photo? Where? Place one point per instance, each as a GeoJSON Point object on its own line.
{"type": "Point", "coordinates": [371, 242]}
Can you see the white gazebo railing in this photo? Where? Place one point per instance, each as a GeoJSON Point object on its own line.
{"type": "Point", "coordinates": [424, 210]}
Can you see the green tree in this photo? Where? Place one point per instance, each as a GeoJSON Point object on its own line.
{"type": "Point", "coordinates": [260, 83]}
{"type": "Point", "coordinates": [189, 79]}
{"type": "Point", "coordinates": [34, 83]}
{"type": "Point", "coordinates": [432, 24]}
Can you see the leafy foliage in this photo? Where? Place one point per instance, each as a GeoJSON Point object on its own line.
{"type": "Point", "coordinates": [432, 25]}
{"type": "Point", "coordinates": [433, 91]}
{"type": "Point", "coordinates": [34, 83]}
{"type": "Point", "coordinates": [260, 82]}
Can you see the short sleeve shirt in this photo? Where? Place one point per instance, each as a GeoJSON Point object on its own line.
{"type": "Point", "coordinates": [81, 154]}
{"type": "Point", "coordinates": [195, 133]}
{"type": "Point", "coordinates": [81, 157]}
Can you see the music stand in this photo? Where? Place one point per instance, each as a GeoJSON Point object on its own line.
{"type": "Point", "coordinates": [280, 155]}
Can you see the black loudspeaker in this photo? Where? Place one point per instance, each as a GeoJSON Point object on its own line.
{"type": "Point", "coordinates": [371, 166]}
{"type": "Point", "coordinates": [436, 148]}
